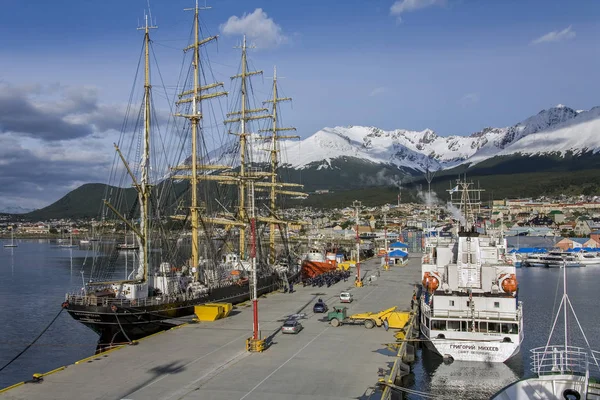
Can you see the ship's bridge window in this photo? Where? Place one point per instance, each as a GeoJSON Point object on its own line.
{"type": "Point", "coordinates": [454, 325]}
{"type": "Point", "coordinates": [493, 327]}
{"type": "Point", "coordinates": [438, 325]}
{"type": "Point", "coordinates": [496, 304]}
{"type": "Point", "coordinates": [510, 328]}
{"type": "Point", "coordinates": [451, 303]}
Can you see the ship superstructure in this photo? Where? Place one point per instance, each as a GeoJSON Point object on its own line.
{"type": "Point", "coordinates": [469, 305]}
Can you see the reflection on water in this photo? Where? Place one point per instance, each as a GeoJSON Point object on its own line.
{"type": "Point", "coordinates": [460, 379]}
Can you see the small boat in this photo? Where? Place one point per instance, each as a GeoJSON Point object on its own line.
{"type": "Point", "coordinates": [68, 245]}
{"type": "Point", "coordinates": [560, 259]}
{"type": "Point", "coordinates": [587, 256]}
{"type": "Point", "coordinates": [12, 240]}
{"type": "Point", "coordinates": [534, 260]}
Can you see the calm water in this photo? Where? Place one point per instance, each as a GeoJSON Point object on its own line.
{"type": "Point", "coordinates": [35, 276]}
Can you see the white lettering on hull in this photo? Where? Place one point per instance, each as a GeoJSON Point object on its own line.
{"type": "Point", "coordinates": [488, 352]}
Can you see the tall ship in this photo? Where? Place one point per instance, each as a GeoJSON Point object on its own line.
{"type": "Point", "coordinates": [469, 304]}
{"type": "Point", "coordinates": [191, 230]}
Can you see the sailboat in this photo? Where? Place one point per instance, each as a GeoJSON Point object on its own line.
{"type": "Point", "coordinates": [70, 244]}
{"type": "Point", "coordinates": [562, 371]}
{"type": "Point", "coordinates": [175, 270]}
{"type": "Point", "coordinates": [12, 240]}
{"type": "Point", "coordinates": [127, 246]}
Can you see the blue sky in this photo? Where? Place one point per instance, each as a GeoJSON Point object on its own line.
{"type": "Point", "coordinates": [455, 66]}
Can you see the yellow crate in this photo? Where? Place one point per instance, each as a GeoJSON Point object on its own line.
{"type": "Point", "coordinates": [208, 312]}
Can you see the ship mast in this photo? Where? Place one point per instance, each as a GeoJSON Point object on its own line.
{"type": "Point", "coordinates": [144, 193]}
{"type": "Point", "coordinates": [275, 163]}
{"type": "Point", "coordinates": [469, 202]}
{"type": "Point", "coordinates": [243, 116]}
{"type": "Point", "coordinates": [143, 187]}
{"type": "Point", "coordinates": [195, 117]}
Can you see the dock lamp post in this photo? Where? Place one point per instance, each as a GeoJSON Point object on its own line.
{"type": "Point", "coordinates": [385, 210]}
{"type": "Point", "coordinates": [255, 343]}
{"type": "Point", "coordinates": [358, 281]}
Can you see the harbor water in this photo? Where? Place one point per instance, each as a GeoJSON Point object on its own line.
{"type": "Point", "coordinates": [35, 276]}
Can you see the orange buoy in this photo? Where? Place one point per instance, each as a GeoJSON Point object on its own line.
{"type": "Point", "coordinates": [509, 284]}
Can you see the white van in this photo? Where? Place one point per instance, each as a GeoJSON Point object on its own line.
{"type": "Point", "coordinates": [346, 297]}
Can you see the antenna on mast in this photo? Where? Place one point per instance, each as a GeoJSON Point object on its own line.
{"type": "Point", "coordinates": [149, 11]}
{"type": "Point", "coordinates": [429, 177]}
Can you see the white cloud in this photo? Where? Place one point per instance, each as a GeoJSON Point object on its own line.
{"type": "Point", "coordinates": [377, 91]}
{"type": "Point", "coordinates": [556, 36]}
{"type": "Point", "coordinates": [257, 26]}
{"type": "Point", "coordinates": [402, 6]}
{"type": "Point", "coordinates": [469, 99]}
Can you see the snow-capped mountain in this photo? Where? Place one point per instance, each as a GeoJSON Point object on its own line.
{"type": "Point", "coordinates": [557, 129]}
{"type": "Point", "coordinates": [577, 134]}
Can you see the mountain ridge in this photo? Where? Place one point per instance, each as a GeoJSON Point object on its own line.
{"type": "Point", "coordinates": [559, 140]}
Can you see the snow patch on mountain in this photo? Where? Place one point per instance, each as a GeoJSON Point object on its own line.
{"type": "Point", "coordinates": [577, 135]}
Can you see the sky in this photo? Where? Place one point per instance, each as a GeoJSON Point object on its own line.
{"type": "Point", "coordinates": [454, 66]}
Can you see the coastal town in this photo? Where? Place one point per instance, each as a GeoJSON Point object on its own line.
{"type": "Point", "coordinates": [572, 222]}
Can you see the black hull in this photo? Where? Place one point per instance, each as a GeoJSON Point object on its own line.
{"type": "Point", "coordinates": [126, 322]}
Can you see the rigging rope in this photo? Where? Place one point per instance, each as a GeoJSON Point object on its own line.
{"type": "Point", "coordinates": [114, 310]}
{"type": "Point", "coordinates": [34, 340]}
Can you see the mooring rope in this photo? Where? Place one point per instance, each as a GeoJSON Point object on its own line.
{"type": "Point", "coordinates": [35, 340]}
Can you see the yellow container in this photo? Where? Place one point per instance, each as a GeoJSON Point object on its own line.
{"type": "Point", "coordinates": [212, 311]}
{"type": "Point", "coordinates": [207, 312]}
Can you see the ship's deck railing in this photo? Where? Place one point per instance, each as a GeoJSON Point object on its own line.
{"type": "Point", "coordinates": [108, 301]}
{"type": "Point", "coordinates": [483, 315]}
{"type": "Point", "coordinates": [150, 301]}
{"type": "Point", "coordinates": [569, 360]}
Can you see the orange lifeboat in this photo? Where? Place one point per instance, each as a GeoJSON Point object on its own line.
{"type": "Point", "coordinates": [430, 281]}
{"type": "Point", "coordinates": [509, 283]}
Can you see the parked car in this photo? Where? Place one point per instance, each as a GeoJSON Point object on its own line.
{"type": "Point", "coordinates": [320, 307]}
{"type": "Point", "coordinates": [346, 297]}
{"type": "Point", "coordinates": [291, 326]}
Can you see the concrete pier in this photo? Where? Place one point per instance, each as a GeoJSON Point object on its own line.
{"type": "Point", "coordinates": [208, 360]}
